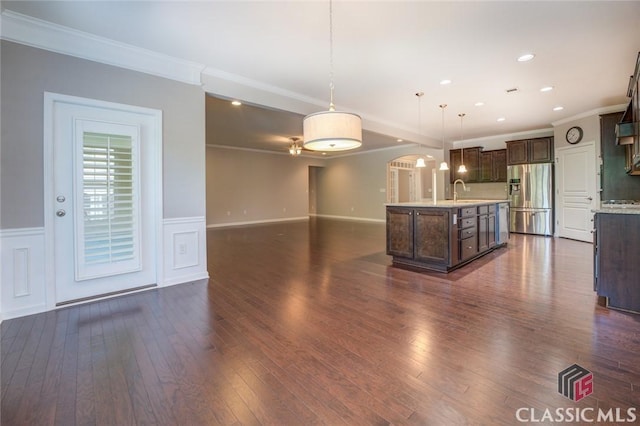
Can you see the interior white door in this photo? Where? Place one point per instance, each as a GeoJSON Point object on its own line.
{"type": "Point", "coordinates": [104, 200]}
{"type": "Point", "coordinates": [576, 189]}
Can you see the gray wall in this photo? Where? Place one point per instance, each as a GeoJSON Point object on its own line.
{"type": "Point", "coordinates": [355, 185]}
{"type": "Point", "coordinates": [28, 72]}
{"type": "Point", "coordinates": [250, 186]}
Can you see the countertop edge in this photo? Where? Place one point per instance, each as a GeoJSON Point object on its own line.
{"type": "Point", "coordinates": [446, 203]}
{"type": "Point", "coordinates": [607, 210]}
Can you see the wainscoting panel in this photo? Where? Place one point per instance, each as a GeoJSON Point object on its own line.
{"type": "Point", "coordinates": [185, 250]}
{"type": "Point", "coordinates": [23, 282]}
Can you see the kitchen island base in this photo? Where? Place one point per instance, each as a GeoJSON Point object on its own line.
{"type": "Point", "coordinates": [444, 236]}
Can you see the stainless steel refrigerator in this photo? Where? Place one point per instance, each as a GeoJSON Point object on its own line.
{"type": "Point", "coordinates": [530, 189]}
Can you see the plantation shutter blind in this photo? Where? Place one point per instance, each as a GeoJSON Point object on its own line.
{"type": "Point", "coordinates": [107, 200]}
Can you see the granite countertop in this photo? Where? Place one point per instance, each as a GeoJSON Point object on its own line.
{"type": "Point", "coordinates": [446, 203]}
{"type": "Point", "coordinates": [617, 210]}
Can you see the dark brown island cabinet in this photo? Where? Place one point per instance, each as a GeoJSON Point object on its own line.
{"type": "Point", "coordinates": [616, 244]}
{"type": "Point", "coordinates": [445, 236]}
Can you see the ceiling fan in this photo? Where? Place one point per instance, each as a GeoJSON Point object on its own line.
{"type": "Point", "coordinates": [296, 147]}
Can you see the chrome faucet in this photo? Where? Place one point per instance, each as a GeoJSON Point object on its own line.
{"type": "Point", "coordinates": [455, 193]}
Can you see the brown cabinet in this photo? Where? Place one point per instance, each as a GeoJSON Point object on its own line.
{"type": "Point", "coordinates": [431, 229]}
{"type": "Point", "coordinates": [616, 173]}
{"type": "Point", "coordinates": [525, 151]}
{"type": "Point", "coordinates": [468, 234]}
{"type": "Point", "coordinates": [400, 231]}
{"type": "Point", "coordinates": [471, 161]}
{"type": "Point", "coordinates": [493, 166]}
{"type": "Point", "coordinates": [440, 239]}
{"type": "Point", "coordinates": [616, 244]}
{"type": "Point", "coordinates": [633, 151]}
{"type": "Point", "coordinates": [419, 235]}
{"type": "Point", "coordinates": [486, 227]}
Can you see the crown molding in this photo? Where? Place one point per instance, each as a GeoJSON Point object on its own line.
{"type": "Point", "coordinates": [505, 136]}
{"type": "Point", "coordinates": [45, 35]}
{"type": "Point", "coordinates": [597, 111]}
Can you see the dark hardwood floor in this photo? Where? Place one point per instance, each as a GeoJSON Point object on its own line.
{"type": "Point", "coordinates": [307, 323]}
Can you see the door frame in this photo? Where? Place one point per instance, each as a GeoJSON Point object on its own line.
{"type": "Point", "coordinates": [154, 161]}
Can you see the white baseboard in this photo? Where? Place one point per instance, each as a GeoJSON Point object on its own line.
{"type": "Point", "coordinates": [353, 218]}
{"type": "Point", "coordinates": [256, 222]}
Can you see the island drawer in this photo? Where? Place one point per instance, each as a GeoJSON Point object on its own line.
{"type": "Point", "coordinates": [467, 232]}
{"type": "Point", "coordinates": [468, 222]}
{"type": "Point", "coordinates": [492, 208]}
{"type": "Point", "coordinates": [468, 211]}
{"type": "Point", "coordinates": [468, 248]}
{"type": "Point", "coordinates": [483, 209]}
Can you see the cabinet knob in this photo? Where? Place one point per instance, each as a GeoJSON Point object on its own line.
{"type": "Point", "coordinates": [417, 213]}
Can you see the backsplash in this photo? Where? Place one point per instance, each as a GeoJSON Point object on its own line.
{"type": "Point", "coordinates": [489, 191]}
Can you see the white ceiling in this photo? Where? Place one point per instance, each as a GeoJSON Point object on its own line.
{"type": "Point", "coordinates": [385, 52]}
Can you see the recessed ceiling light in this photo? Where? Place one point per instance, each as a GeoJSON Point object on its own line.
{"type": "Point", "coordinates": [445, 81]}
{"type": "Point", "coordinates": [558, 108]}
{"type": "Point", "coordinates": [546, 89]}
{"type": "Point", "coordinates": [236, 103]}
{"type": "Point", "coordinates": [479, 104]}
{"type": "Point", "coordinates": [501, 119]}
{"type": "Point", "coordinates": [526, 57]}
{"type": "Point", "coordinates": [399, 140]}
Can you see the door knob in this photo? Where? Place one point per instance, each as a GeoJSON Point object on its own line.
{"type": "Point", "coordinates": [589, 198]}
{"type": "Point", "coordinates": [61, 213]}
{"type": "Point", "coordinates": [60, 198]}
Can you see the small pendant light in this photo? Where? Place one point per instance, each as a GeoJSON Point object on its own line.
{"type": "Point", "coordinates": [462, 168]}
{"type": "Point", "coordinates": [443, 165]}
{"type": "Point", "coordinates": [420, 161]}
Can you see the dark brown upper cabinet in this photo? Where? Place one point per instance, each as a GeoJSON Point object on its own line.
{"type": "Point", "coordinates": [493, 166]}
{"type": "Point", "coordinates": [471, 161]}
{"type": "Point", "coordinates": [525, 151]}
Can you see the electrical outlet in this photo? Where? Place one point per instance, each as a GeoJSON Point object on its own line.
{"type": "Point", "coordinates": [182, 248]}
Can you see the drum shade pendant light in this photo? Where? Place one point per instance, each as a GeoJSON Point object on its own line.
{"type": "Point", "coordinates": [420, 161]}
{"type": "Point", "coordinates": [462, 168]}
{"type": "Point", "coordinates": [332, 130]}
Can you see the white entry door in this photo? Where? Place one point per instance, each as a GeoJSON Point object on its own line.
{"type": "Point", "coordinates": [103, 194]}
{"type": "Point", "coordinates": [576, 190]}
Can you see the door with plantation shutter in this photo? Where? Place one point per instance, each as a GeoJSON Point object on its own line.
{"type": "Point", "coordinates": [105, 221]}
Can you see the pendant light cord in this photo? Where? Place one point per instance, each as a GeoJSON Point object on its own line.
{"type": "Point", "coordinates": [442, 107]}
{"type": "Point", "coordinates": [461, 139]}
{"type": "Point", "coordinates": [332, 107]}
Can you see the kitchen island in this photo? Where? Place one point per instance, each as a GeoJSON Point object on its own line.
{"type": "Point", "coordinates": [445, 235]}
{"type": "Point", "coordinates": [616, 243]}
